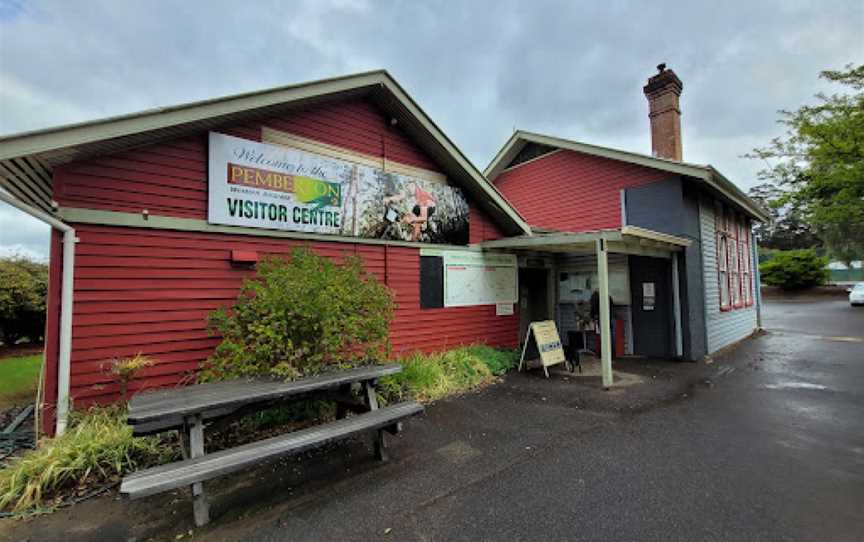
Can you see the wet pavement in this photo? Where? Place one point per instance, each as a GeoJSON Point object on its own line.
{"type": "Point", "coordinates": [766, 443]}
{"type": "Point", "coordinates": [769, 447]}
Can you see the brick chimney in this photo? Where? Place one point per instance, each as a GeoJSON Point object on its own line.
{"type": "Point", "coordinates": [663, 91]}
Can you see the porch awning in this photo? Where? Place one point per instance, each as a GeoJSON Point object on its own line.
{"type": "Point", "coordinates": [626, 240]}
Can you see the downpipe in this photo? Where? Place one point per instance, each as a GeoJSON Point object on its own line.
{"type": "Point", "coordinates": [66, 285]}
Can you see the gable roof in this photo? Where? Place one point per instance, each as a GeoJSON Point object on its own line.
{"type": "Point", "coordinates": [27, 160]}
{"type": "Point", "coordinates": [701, 173]}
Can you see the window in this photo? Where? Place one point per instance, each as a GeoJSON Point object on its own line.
{"type": "Point", "coordinates": [722, 258]}
{"type": "Point", "coordinates": [746, 262]}
{"type": "Point", "coordinates": [734, 260]}
{"type": "Point", "coordinates": [431, 282]}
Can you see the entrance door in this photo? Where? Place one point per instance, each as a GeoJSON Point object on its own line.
{"type": "Point", "coordinates": [652, 318]}
{"type": "Point", "coordinates": [533, 298]}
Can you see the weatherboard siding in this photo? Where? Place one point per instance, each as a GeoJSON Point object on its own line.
{"type": "Point", "coordinates": [571, 191]}
{"type": "Point", "coordinates": [150, 290]}
{"type": "Point", "coordinates": [722, 327]}
{"type": "Point", "coordinates": [171, 178]}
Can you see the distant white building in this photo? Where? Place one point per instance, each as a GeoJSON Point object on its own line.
{"type": "Point", "coordinates": [840, 266]}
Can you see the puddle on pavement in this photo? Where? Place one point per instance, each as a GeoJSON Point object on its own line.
{"type": "Point", "coordinates": [795, 386]}
{"type": "Point", "coordinates": [458, 451]}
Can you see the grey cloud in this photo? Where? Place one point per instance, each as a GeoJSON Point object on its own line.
{"type": "Point", "coordinates": [20, 234]}
{"type": "Point", "coordinates": [479, 68]}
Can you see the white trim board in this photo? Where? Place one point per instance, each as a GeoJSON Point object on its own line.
{"type": "Point", "coordinates": [74, 215]}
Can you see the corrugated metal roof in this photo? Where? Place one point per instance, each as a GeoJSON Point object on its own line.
{"type": "Point", "coordinates": [624, 240]}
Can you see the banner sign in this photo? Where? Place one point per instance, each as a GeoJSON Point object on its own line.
{"type": "Point", "coordinates": [258, 185]}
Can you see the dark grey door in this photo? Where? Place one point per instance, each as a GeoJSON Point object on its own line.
{"type": "Point", "coordinates": [533, 298]}
{"type": "Point", "coordinates": [652, 319]}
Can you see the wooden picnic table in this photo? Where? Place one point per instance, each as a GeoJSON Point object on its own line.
{"type": "Point", "coordinates": [187, 409]}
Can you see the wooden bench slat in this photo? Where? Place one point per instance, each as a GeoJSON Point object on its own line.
{"type": "Point", "coordinates": [184, 473]}
{"type": "Point", "coordinates": [173, 404]}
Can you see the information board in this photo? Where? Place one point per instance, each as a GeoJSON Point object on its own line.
{"type": "Point", "coordinates": [548, 342]}
{"type": "Point", "coordinates": [479, 278]}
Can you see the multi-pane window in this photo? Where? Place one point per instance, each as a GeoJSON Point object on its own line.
{"type": "Point", "coordinates": [734, 261]}
{"type": "Point", "coordinates": [722, 258]}
{"type": "Point", "coordinates": [746, 259]}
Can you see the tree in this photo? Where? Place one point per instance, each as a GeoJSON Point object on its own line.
{"type": "Point", "coordinates": [786, 228]}
{"type": "Point", "coordinates": [794, 270]}
{"type": "Point", "coordinates": [23, 287]}
{"type": "Point", "coordinates": [819, 163]}
{"type": "Point", "coordinates": [301, 316]}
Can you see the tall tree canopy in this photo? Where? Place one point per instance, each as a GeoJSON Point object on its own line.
{"type": "Point", "coordinates": [786, 229]}
{"type": "Point", "coordinates": [819, 163]}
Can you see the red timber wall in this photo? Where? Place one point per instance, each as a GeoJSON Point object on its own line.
{"type": "Point", "coordinates": [148, 290]}
{"type": "Point", "coordinates": [570, 191]}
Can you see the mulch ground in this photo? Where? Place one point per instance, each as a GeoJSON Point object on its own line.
{"type": "Point", "coordinates": [19, 440]}
{"type": "Point", "coordinates": [18, 350]}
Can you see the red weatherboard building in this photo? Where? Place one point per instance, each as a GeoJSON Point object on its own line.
{"type": "Point", "coordinates": [148, 267]}
{"type": "Point", "coordinates": [142, 248]}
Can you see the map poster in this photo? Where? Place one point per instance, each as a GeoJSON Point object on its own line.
{"type": "Point", "coordinates": [259, 185]}
{"type": "Point", "coordinates": [479, 278]}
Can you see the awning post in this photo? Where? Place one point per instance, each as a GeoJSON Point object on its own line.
{"type": "Point", "coordinates": [605, 309]}
{"type": "Point", "coordinates": [676, 307]}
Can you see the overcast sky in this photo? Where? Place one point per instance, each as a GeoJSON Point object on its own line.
{"type": "Point", "coordinates": [479, 68]}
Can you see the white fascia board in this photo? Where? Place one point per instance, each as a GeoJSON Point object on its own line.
{"type": "Point", "coordinates": [537, 242]}
{"type": "Point", "coordinates": [487, 187]}
{"type": "Point", "coordinates": [651, 235]}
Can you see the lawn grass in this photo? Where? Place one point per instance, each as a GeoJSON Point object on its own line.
{"type": "Point", "coordinates": [19, 377]}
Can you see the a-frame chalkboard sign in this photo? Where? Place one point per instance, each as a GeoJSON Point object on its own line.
{"type": "Point", "coordinates": [545, 336]}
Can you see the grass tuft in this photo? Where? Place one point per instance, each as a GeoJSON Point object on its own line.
{"type": "Point", "coordinates": [429, 377]}
{"type": "Point", "coordinates": [98, 447]}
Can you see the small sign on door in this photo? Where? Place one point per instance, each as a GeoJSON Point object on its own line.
{"type": "Point", "coordinates": [648, 296]}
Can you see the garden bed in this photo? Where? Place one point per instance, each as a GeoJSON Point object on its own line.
{"type": "Point", "coordinates": [99, 449]}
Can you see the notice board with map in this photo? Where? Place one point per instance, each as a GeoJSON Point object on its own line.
{"type": "Point", "coordinates": [479, 278]}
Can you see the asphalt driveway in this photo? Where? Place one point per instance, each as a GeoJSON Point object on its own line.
{"type": "Point", "coordinates": [766, 443]}
{"type": "Point", "coordinates": [769, 446]}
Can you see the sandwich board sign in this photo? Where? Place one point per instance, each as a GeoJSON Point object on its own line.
{"type": "Point", "coordinates": [548, 342]}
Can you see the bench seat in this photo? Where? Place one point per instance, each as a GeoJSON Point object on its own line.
{"type": "Point", "coordinates": [162, 410]}
{"type": "Point", "coordinates": [184, 473]}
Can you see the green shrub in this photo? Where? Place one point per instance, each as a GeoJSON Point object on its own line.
{"type": "Point", "coordinates": [97, 447]}
{"type": "Point", "coordinates": [300, 316]}
{"type": "Point", "coordinates": [23, 287]}
{"type": "Point", "coordinates": [794, 270]}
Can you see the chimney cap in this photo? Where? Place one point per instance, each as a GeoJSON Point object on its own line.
{"type": "Point", "coordinates": [665, 80]}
